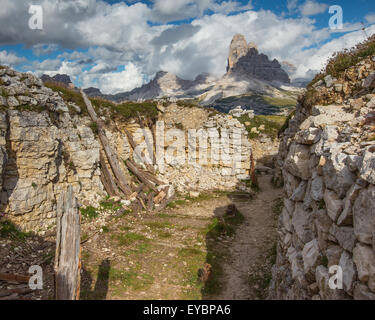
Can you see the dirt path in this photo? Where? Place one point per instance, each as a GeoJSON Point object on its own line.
{"type": "Point", "coordinates": [247, 270]}
{"type": "Point", "coordinates": [159, 256]}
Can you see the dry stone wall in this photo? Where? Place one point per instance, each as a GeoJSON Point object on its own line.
{"type": "Point", "coordinates": [327, 160]}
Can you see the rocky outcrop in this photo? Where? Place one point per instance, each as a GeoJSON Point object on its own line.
{"type": "Point", "coordinates": [249, 74]}
{"type": "Point", "coordinates": [245, 61]}
{"type": "Point", "coordinates": [59, 78]}
{"type": "Point", "coordinates": [238, 49]}
{"type": "Point", "coordinates": [327, 160]}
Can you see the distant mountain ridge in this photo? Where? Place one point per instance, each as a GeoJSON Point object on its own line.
{"type": "Point", "coordinates": [248, 73]}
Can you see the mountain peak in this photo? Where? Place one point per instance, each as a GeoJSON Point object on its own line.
{"type": "Point", "coordinates": [244, 60]}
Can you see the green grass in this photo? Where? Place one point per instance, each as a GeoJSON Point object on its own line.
{"type": "Point", "coordinates": [343, 60]}
{"type": "Point", "coordinates": [321, 204]}
{"type": "Point", "coordinates": [141, 248]}
{"type": "Point", "coordinates": [105, 229]}
{"type": "Point", "coordinates": [9, 231]}
{"type": "Point", "coordinates": [110, 205]}
{"type": "Point", "coordinates": [336, 67]}
{"type": "Point", "coordinates": [280, 102]}
{"type": "Point", "coordinates": [69, 95]}
{"type": "Point", "coordinates": [128, 110]}
{"type": "Point", "coordinates": [27, 107]}
{"type": "Point", "coordinates": [223, 226]}
{"type": "Point", "coordinates": [94, 127]}
{"type": "Point", "coordinates": [164, 235]}
{"type": "Point", "coordinates": [277, 208]}
{"type": "Point", "coordinates": [89, 212]}
{"type": "Point", "coordinates": [159, 225]}
{"type": "Point", "coordinates": [272, 125]}
{"type": "Point", "coordinates": [131, 279]}
{"type": "Point", "coordinates": [125, 239]}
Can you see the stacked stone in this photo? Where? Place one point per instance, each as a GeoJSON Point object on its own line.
{"type": "Point", "coordinates": [216, 174]}
{"type": "Point", "coordinates": [42, 151]}
{"type": "Point", "coordinates": [327, 157]}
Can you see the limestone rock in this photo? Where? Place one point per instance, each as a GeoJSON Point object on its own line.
{"type": "Point", "coordinates": [333, 255]}
{"type": "Point", "coordinates": [308, 136]}
{"type": "Point", "coordinates": [297, 161]}
{"type": "Point", "coordinates": [333, 203]}
{"type": "Point", "coordinates": [299, 193]}
{"type": "Point", "coordinates": [364, 258]}
{"type": "Point", "coordinates": [364, 215]}
{"type": "Point", "coordinates": [344, 236]}
{"type": "Point", "coordinates": [348, 272]}
{"type": "Point", "coordinates": [367, 171]}
{"type": "Point", "coordinates": [311, 255]}
{"type": "Point", "coordinates": [317, 188]}
{"type": "Point", "coordinates": [302, 223]}
{"type": "Point", "coordinates": [361, 292]}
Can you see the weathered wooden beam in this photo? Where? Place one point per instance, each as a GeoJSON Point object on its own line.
{"type": "Point", "coordinates": [165, 201]}
{"type": "Point", "coordinates": [107, 179]}
{"type": "Point", "coordinates": [9, 292]}
{"type": "Point", "coordinates": [68, 247]}
{"type": "Point", "coordinates": [150, 202]}
{"type": "Point", "coordinates": [136, 151]}
{"type": "Point", "coordinates": [112, 158]}
{"type": "Point", "coordinates": [9, 277]}
{"type": "Point", "coordinates": [149, 144]}
{"type": "Point", "coordinates": [137, 172]}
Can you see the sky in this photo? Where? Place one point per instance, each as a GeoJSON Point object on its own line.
{"type": "Point", "coordinates": [117, 46]}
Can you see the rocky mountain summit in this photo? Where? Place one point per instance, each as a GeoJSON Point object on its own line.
{"type": "Point", "coordinates": [246, 62]}
{"type": "Point", "coordinates": [250, 74]}
{"type": "Point", "coordinates": [327, 163]}
{"type": "Point", "coordinates": [59, 78]}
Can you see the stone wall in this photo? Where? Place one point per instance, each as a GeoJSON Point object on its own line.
{"type": "Point", "coordinates": [327, 160]}
{"type": "Point", "coordinates": [47, 143]}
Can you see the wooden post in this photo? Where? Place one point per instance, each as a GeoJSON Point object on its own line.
{"type": "Point", "coordinates": [107, 178]}
{"type": "Point", "coordinates": [68, 248]}
{"type": "Point", "coordinates": [112, 158]}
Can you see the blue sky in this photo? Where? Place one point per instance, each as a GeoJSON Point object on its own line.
{"type": "Point", "coordinates": [119, 45]}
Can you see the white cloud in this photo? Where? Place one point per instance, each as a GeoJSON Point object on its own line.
{"type": "Point", "coordinates": [292, 5]}
{"type": "Point", "coordinates": [114, 82]}
{"type": "Point", "coordinates": [120, 35]}
{"type": "Point", "coordinates": [173, 10]}
{"type": "Point", "coordinates": [316, 59]}
{"type": "Point", "coordinates": [370, 18]}
{"type": "Point", "coordinates": [311, 8]}
{"type": "Point", "coordinates": [44, 48]}
{"type": "Point", "coordinates": [10, 59]}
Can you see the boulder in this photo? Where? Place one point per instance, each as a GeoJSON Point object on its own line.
{"type": "Point", "coordinates": [348, 272]}
{"type": "Point", "coordinates": [367, 171]}
{"type": "Point", "coordinates": [333, 204]}
{"type": "Point", "coordinates": [364, 215]}
{"type": "Point", "coordinates": [302, 223]}
{"type": "Point", "coordinates": [361, 292]}
{"type": "Point", "coordinates": [364, 259]}
{"type": "Point", "coordinates": [308, 136]}
{"type": "Point", "coordinates": [344, 236]}
{"type": "Point", "coordinates": [311, 256]}
{"type": "Point", "coordinates": [297, 161]}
